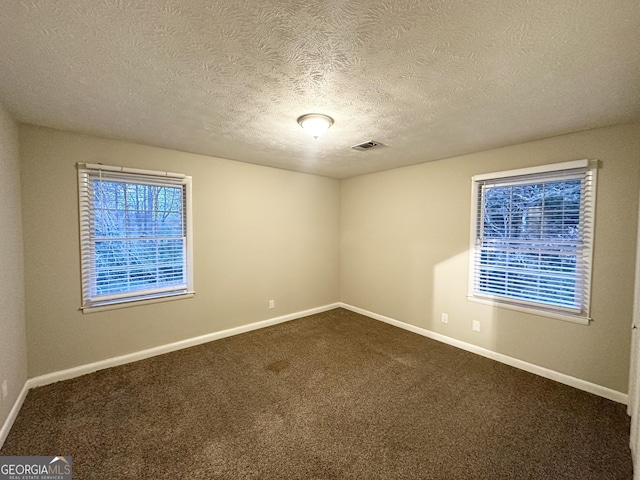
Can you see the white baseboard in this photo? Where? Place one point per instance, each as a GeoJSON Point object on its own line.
{"type": "Point", "coordinates": [171, 347]}
{"type": "Point", "coordinates": [13, 414]}
{"type": "Point", "coordinates": [514, 362]}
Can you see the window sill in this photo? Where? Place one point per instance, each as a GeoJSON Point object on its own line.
{"type": "Point", "coordinates": [533, 311]}
{"type": "Point", "coordinates": [136, 303]}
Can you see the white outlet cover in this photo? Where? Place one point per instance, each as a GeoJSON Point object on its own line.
{"type": "Point", "coordinates": [475, 326]}
{"type": "Point", "coordinates": [445, 318]}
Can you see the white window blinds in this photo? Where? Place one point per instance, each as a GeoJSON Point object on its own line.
{"type": "Point", "coordinates": [135, 234]}
{"type": "Point", "coordinates": [532, 238]}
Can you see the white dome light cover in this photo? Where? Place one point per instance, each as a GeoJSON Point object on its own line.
{"type": "Point", "coordinates": [315, 124]}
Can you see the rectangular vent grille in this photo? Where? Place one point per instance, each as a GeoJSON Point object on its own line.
{"type": "Point", "coordinates": [366, 145]}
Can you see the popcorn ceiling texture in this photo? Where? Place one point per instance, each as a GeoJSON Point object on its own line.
{"type": "Point", "coordinates": [429, 79]}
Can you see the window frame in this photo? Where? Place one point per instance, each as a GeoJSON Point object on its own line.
{"type": "Point", "coordinates": [87, 173]}
{"type": "Point", "coordinates": [588, 169]}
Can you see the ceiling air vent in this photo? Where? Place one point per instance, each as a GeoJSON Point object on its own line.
{"type": "Point", "coordinates": [366, 145]}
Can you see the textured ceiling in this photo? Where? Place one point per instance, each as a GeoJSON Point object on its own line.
{"type": "Point", "coordinates": [427, 78]}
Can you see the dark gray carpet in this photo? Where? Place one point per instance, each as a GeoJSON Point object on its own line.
{"type": "Point", "coordinates": [334, 395]}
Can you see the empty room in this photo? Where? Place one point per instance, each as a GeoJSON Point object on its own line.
{"type": "Point", "coordinates": [350, 239]}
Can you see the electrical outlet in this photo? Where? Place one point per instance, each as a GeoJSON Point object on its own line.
{"type": "Point", "coordinates": [475, 326]}
{"type": "Point", "coordinates": [444, 318]}
{"type": "Point", "coordinates": [5, 390]}
{"type": "Point", "coordinates": [272, 303]}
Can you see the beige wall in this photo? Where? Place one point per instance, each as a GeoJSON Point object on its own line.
{"type": "Point", "coordinates": [395, 243]}
{"type": "Point", "coordinates": [405, 241]}
{"type": "Point", "coordinates": [259, 234]}
{"type": "Point", "coordinates": [13, 342]}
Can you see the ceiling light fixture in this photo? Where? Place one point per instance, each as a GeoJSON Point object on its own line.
{"type": "Point", "coordinates": [315, 124]}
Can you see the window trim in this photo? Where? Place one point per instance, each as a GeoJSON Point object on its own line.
{"type": "Point", "coordinates": [588, 222]}
{"type": "Point", "coordinates": [85, 170]}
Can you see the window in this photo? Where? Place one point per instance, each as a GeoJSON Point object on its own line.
{"type": "Point", "coordinates": [135, 235]}
{"type": "Point", "coordinates": [532, 239]}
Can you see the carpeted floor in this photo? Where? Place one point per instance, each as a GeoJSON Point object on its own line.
{"type": "Point", "coordinates": [334, 395]}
